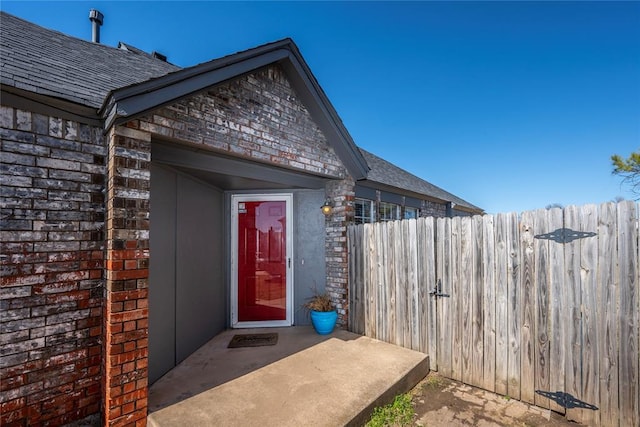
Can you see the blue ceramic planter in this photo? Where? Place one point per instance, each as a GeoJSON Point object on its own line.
{"type": "Point", "coordinates": [324, 321]}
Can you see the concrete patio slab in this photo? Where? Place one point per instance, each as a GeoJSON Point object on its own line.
{"type": "Point", "coordinates": [305, 379]}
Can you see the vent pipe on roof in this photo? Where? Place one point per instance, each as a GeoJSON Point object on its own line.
{"type": "Point", "coordinates": [96, 19]}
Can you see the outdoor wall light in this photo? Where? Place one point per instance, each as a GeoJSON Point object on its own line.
{"type": "Point", "coordinates": [326, 208]}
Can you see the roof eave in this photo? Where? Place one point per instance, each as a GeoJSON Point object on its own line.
{"type": "Point", "coordinates": [466, 206]}
{"type": "Point", "coordinates": [49, 105]}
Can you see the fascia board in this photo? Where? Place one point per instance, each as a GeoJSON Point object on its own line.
{"type": "Point", "coordinates": [154, 94]}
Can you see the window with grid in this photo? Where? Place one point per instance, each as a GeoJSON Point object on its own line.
{"type": "Point", "coordinates": [363, 211]}
{"type": "Point", "coordinates": [388, 211]}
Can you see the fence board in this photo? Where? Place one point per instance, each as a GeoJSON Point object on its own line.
{"type": "Point", "coordinates": [606, 310]}
{"type": "Point", "coordinates": [372, 288]}
{"type": "Point", "coordinates": [356, 282]}
{"type": "Point", "coordinates": [416, 330]}
{"type": "Point", "coordinates": [466, 299]}
{"type": "Point", "coordinates": [457, 298]}
{"type": "Point", "coordinates": [426, 279]}
{"type": "Point", "coordinates": [489, 303]}
{"type": "Point", "coordinates": [536, 311]}
{"type": "Point", "coordinates": [401, 288]}
{"type": "Point", "coordinates": [573, 315]}
{"type": "Point", "coordinates": [541, 277]}
{"type": "Point", "coordinates": [556, 326]}
{"type": "Point", "coordinates": [385, 282]}
{"type": "Point", "coordinates": [628, 314]}
{"type": "Point", "coordinates": [527, 337]}
{"type": "Point", "coordinates": [589, 264]}
{"type": "Point", "coordinates": [477, 315]}
{"type": "Point", "coordinates": [409, 229]}
{"type": "Point", "coordinates": [514, 289]}
{"type": "Point", "coordinates": [501, 305]}
{"type": "Point", "coordinates": [443, 306]}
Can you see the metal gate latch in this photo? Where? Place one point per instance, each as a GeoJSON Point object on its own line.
{"type": "Point", "coordinates": [437, 291]}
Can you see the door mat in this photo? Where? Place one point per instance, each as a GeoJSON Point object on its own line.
{"type": "Point", "coordinates": [253, 340]}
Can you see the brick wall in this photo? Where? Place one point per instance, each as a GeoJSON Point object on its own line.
{"type": "Point", "coordinates": [428, 208]}
{"type": "Point", "coordinates": [257, 117]}
{"type": "Point", "coordinates": [342, 195]}
{"type": "Point", "coordinates": [127, 270]}
{"type": "Point", "coordinates": [66, 331]}
{"type": "Point", "coordinates": [52, 216]}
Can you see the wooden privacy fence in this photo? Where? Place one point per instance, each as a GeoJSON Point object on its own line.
{"type": "Point", "coordinates": [542, 307]}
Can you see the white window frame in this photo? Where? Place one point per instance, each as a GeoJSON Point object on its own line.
{"type": "Point", "coordinates": [395, 211]}
{"type": "Point", "coordinates": [372, 217]}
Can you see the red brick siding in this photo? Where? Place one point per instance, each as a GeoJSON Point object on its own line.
{"type": "Point", "coordinates": [52, 174]}
{"type": "Point", "coordinates": [127, 270]}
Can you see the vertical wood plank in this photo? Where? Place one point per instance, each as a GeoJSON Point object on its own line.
{"type": "Point", "coordinates": [457, 297]}
{"type": "Point", "coordinates": [390, 307]}
{"type": "Point", "coordinates": [527, 337]}
{"type": "Point", "coordinates": [477, 300]}
{"type": "Point", "coordinates": [541, 304]}
{"type": "Point", "coordinates": [514, 289]}
{"type": "Point", "coordinates": [606, 311]}
{"type": "Point", "coordinates": [356, 280]}
{"type": "Point", "coordinates": [372, 287]}
{"type": "Point", "coordinates": [386, 317]}
{"type": "Point", "coordinates": [588, 273]}
{"type": "Point", "coordinates": [502, 301]}
{"type": "Point", "coordinates": [573, 315]}
{"type": "Point", "coordinates": [421, 308]}
{"type": "Point", "coordinates": [401, 288]}
{"type": "Point", "coordinates": [417, 306]}
{"type": "Point", "coordinates": [557, 327]}
{"type": "Point", "coordinates": [405, 283]}
{"type": "Point", "coordinates": [429, 317]}
{"type": "Point", "coordinates": [489, 303]}
{"type": "Point", "coordinates": [466, 297]}
{"type": "Point", "coordinates": [628, 313]}
{"type": "Point", "coordinates": [443, 319]}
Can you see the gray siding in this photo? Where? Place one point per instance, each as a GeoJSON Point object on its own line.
{"type": "Point", "coordinates": [187, 296]}
{"type": "Point", "coordinates": [309, 250]}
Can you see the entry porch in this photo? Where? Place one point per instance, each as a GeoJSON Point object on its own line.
{"type": "Point", "coordinates": [305, 379]}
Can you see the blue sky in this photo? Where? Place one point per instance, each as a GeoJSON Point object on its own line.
{"type": "Point", "coordinates": [510, 105]}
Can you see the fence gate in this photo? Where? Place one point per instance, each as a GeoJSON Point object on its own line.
{"type": "Point", "coordinates": [543, 307]}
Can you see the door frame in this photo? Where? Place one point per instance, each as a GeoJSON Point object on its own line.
{"type": "Point", "coordinates": [262, 197]}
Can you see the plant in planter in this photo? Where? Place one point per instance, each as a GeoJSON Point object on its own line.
{"type": "Point", "coordinates": [323, 313]}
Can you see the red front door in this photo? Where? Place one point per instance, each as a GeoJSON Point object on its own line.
{"type": "Point", "coordinates": [262, 260]}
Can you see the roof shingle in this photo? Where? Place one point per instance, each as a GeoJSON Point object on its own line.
{"type": "Point", "coordinates": [69, 68]}
{"type": "Point", "coordinates": [387, 173]}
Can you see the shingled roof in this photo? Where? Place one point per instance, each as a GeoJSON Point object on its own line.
{"type": "Point", "coordinates": [45, 62]}
{"type": "Point", "coordinates": [388, 174]}
{"type": "Point", "coordinates": [50, 63]}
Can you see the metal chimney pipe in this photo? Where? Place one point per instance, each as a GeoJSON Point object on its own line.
{"type": "Point", "coordinates": [96, 19]}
